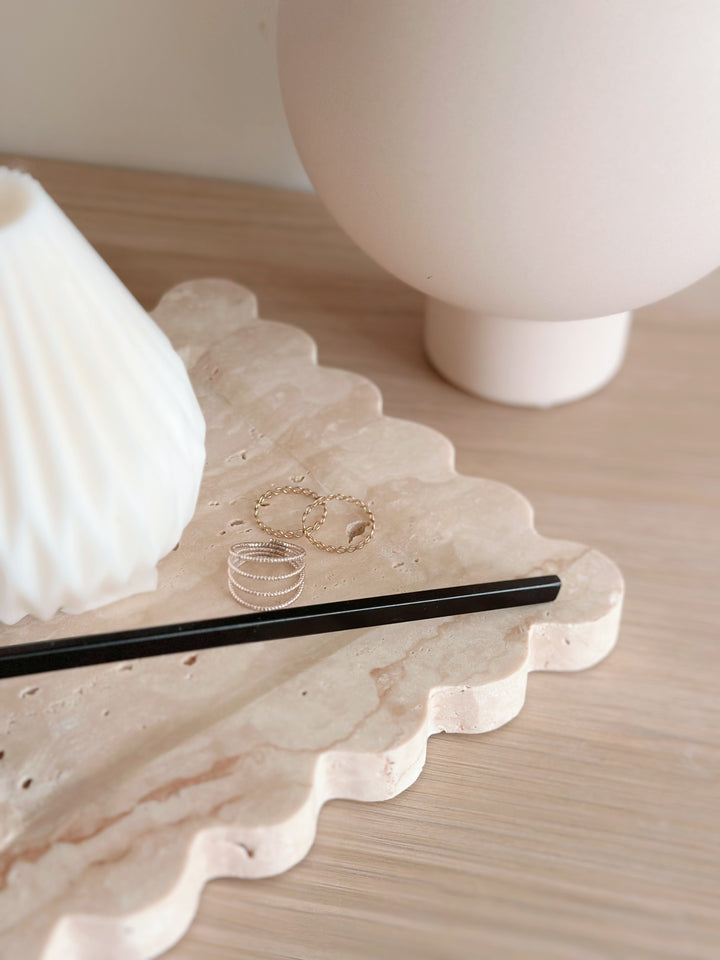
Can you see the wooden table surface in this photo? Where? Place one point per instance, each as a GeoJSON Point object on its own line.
{"type": "Point", "coordinates": [589, 827]}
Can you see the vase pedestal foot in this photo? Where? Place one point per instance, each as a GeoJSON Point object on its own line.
{"type": "Point", "coordinates": [531, 363]}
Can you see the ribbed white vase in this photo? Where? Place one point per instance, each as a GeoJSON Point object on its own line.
{"type": "Point", "coordinates": [101, 436]}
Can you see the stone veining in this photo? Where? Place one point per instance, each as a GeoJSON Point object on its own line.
{"type": "Point", "coordinates": [144, 782]}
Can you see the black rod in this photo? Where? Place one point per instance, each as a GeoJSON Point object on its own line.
{"type": "Point", "coordinates": [43, 656]}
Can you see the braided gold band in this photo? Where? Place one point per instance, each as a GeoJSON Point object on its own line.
{"type": "Point", "coordinates": [264, 501]}
{"type": "Point", "coordinates": [321, 502]}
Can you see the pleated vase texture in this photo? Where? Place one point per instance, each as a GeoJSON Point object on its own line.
{"type": "Point", "coordinates": [102, 441]}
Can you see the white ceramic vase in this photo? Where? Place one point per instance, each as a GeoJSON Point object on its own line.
{"type": "Point", "coordinates": [522, 162]}
{"type": "Point", "coordinates": [101, 437]}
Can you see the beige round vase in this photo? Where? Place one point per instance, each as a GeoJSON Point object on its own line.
{"type": "Point", "coordinates": [522, 162]}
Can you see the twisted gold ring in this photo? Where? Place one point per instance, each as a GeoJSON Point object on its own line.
{"type": "Point", "coordinates": [321, 502]}
{"type": "Point", "coordinates": [264, 501]}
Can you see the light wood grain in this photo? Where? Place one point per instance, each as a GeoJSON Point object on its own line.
{"type": "Point", "coordinates": [588, 828]}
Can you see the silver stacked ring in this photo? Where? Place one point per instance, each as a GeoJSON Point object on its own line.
{"type": "Point", "coordinates": [248, 571]}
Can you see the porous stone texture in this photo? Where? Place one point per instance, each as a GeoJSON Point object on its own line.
{"type": "Point", "coordinates": [126, 786]}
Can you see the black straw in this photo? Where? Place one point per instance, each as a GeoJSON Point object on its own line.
{"type": "Point", "coordinates": [46, 655]}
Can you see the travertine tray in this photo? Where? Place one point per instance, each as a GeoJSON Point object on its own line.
{"type": "Point", "coordinates": [125, 787]}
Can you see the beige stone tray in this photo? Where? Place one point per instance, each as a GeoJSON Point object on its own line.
{"type": "Point", "coordinates": [126, 786]}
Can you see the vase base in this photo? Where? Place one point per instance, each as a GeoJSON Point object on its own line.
{"type": "Point", "coordinates": [529, 363]}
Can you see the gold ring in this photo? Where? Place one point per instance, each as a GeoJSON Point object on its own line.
{"type": "Point", "coordinates": [321, 502]}
{"type": "Point", "coordinates": [265, 499]}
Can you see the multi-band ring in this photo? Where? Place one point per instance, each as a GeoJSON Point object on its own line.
{"type": "Point", "coordinates": [248, 566]}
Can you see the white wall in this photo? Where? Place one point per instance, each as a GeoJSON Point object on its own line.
{"type": "Point", "coordinates": [185, 86]}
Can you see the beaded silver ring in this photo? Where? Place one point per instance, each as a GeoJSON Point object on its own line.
{"type": "Point", "coordinates": [247, 563]}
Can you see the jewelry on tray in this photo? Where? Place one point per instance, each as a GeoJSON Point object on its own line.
{"type": "Point", "coordinates": [307, 529]}
{"type": "Point", "coordinates": [264, 501]}
{"type": "Point", "coordinates": [248, 566]}
{"type": "Point", "coordinates": [330, 548]}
